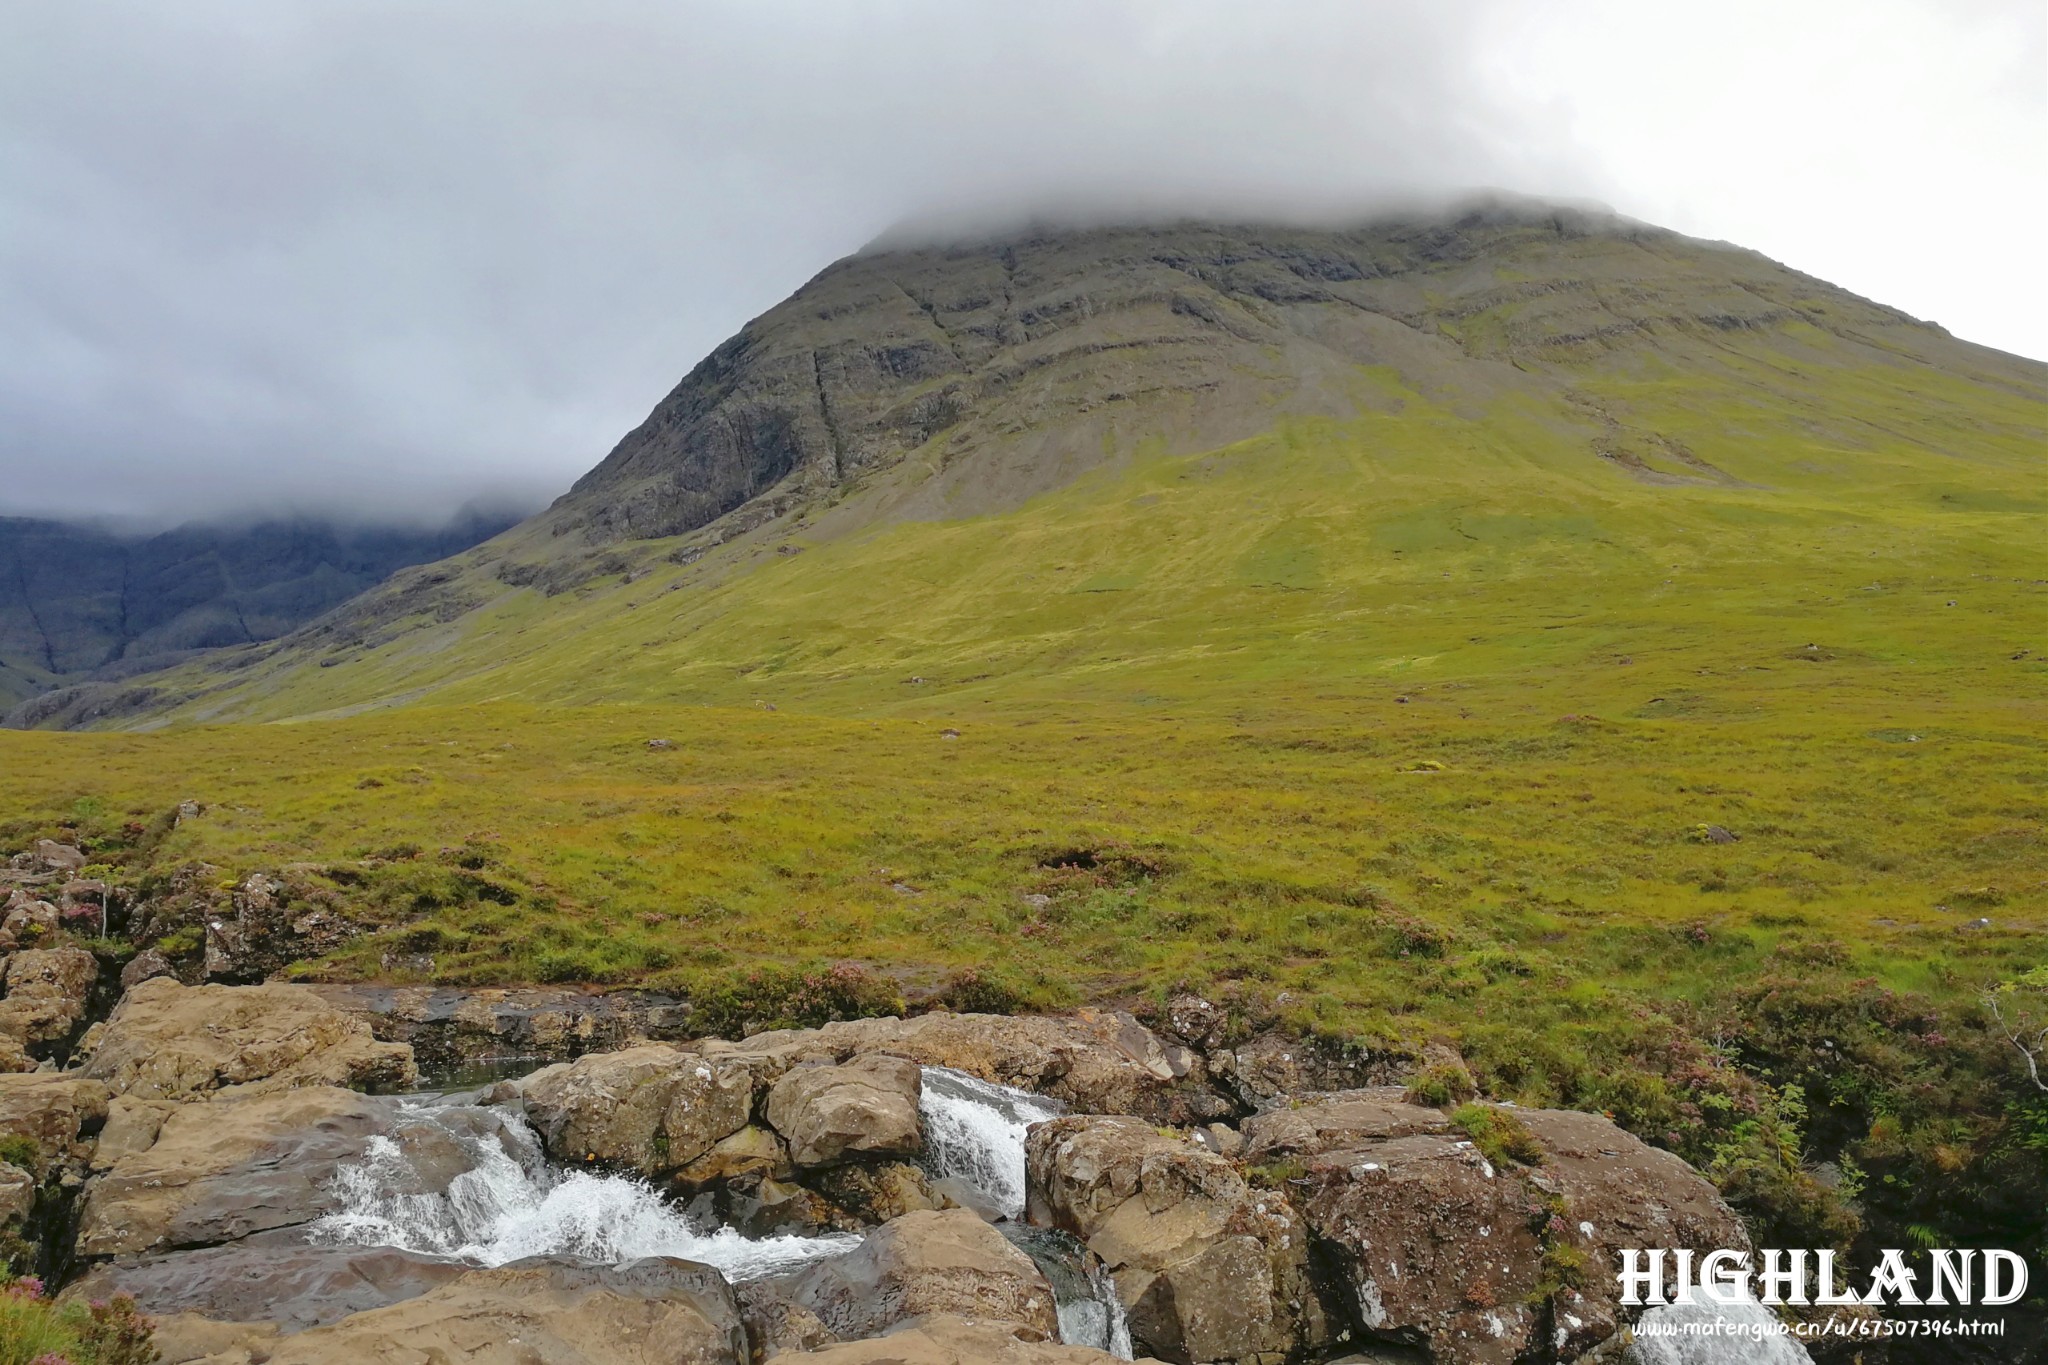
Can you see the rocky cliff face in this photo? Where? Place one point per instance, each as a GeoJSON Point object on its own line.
{"type": "Point", "coordinates": [75, 599]}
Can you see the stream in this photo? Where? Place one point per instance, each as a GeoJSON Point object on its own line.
{"type": "Point", "coordinates": [508, 1202]}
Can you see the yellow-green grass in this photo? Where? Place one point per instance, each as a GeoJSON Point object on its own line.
{"type": "Point", "coordinates": [1414, 726]}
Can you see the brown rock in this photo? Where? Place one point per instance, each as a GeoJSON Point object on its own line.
{"type": "Point", "coordinates": [225, 1169]}
{"type": "Point", "coordinates": [653, 1109]}
{"type": "Point", "coordinates": [448, 1026]}
{"type": "Point", "coordinates": [52, 856]}
{"type": "Point", "coordinates": [144, 965]}
{"type": "Point", "coordinates": [189, 1339]}
{"type": "Point", "coordinates": [864, 1107]}
{"type": "Point", "coordinates": [1616, 1192]}
{"type": "Point", "coordinates": [1208, 1268]}
{"type": "Point", "coordinates": [167, 1041]}
{"type": "Point", "coordinates": [950, 1340]}
{"type": "Point", "coordinates": [57, 1112]}
{"type": "Point", "coordinates": [924, 1264]}
{"type": "Point", "coordinates": [1336, 1122]}
{"type": "Point", "coordinates": [47, 991]}
{"type": "Point", "coordinates": [1431, 1242]}
{"type": "Point", "coordinates": [650, 1312]}
{"type": "Point", "coordinates": [752, 1152]}
{"type": "Point", "coordinates": [17, 1195]}
{"type": "Point", "coordinates": [876, 1193]}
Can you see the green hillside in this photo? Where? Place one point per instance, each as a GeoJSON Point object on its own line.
{"type": "Point", "coordinates": [1616, 655]}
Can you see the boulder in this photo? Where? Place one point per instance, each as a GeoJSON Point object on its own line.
{"type": "Point", "coordinates": [1094, 1061]}
{"type": "Point", "coordinates": [751, 1153]}
{"type": "Point", "coordinates": [1611, 1190]}
{"type": "Point", "coordinates": [950, 1340]}
{"type": "Point", "coordinates": [1207, 1267]}
{"type": "Point", "coordinates": [864, 1107]}
{"type": "Point", "coordinates": [17, 1196]}
{"type": "Point", "coordinates": [653, 1109]}
{"type": "Point", "coordinates": [1431, 1243]}
{"type": "Point", "coordinates": [649, 1312]}
{"type": "Point", "coordinates": [25, 920]}
{"type": "Point", "coordinates": [919, 1265]}
{"type": "Point", "coordinates": [273, 1277]}
{"type": "Point", "coordinates": [271, 924]}
{"type": "Point", "coordinates": [1336, 1122]}
{"type": "Point", "coordinates": [47, 994]}
{"type": "Point", "coordinates": [57, 1112]}
{"type": "Point", "coordinates": [224, 1169]}
{"type": "Point", "coordinates": [1266, 1070]}
{"type": "Point", "coordinates": [51, 856]}
{"type": "Point", "coordinates": [877, 1192]}
{"type": "Point", "coordinates": [167, 1041]}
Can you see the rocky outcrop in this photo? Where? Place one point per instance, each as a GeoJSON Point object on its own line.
{"type": "Point", "coordinates": [1207, 1267]}
{"type": "Point", "coordinates": [272, 924]}
{"type": "Point", "coordinates": [948, 1340]}
{"type": "Point", "coordinates": [224, 1169]}
{"type": "Point", "coordinates": [918, 1266]}
{"type": "Point", "coordinates": [17, 1196]}
{"type": "Point", "coordinates": [653, 1109]}
{"type": "Point", "coordinates": [863, 1107]}
{"type": "Point", "coordinates": [1435, 1244]}
{"type": "Point", "coordinates": [271, 1277]}
{"type": "Point", "coordinates": [47, 993]}
{"type": "Point", "coordinates": [446, 1028]}
{"type": "Point", "coordinates": [59, 1114]}
{"type": "Point", "coordinates": [167, 1041]}
{"type": "Point", "coordinates": [647, 1312]}
{"type": "Point", "coordinates": [1094, 1061]}
{"type": "Point", "coordinates": [1335, 1122]}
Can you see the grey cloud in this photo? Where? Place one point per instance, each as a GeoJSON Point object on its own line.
{"type": "Point", "coordinates": [383, 255]}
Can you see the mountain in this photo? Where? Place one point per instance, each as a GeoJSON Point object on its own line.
{"type": "Point", "coordinates": [1041, 460]}
{"type": "Point", "coordinates": [81, 601]}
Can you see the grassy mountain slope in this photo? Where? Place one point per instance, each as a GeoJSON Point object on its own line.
{"type": "Point", "coordinates": [1616, 654]}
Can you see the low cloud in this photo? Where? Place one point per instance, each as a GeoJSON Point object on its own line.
{"type": "Point", "coordinates": [382, 257]}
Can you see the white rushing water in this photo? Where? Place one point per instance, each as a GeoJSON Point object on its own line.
{"type": "Point", "coordinates": [974, 1132]}
{"type": "Point", "coordinates": [470, 1182]}
{"type": "Point", "coordinates": [510, 1204]}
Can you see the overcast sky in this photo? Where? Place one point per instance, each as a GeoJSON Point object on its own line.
{"type": "Point", "coordinates": [385, 255]}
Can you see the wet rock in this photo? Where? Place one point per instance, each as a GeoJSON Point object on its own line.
{"type": "Point", "coordinates": [649, 1312]}
{"type": "Point", "coordinates": [224, 1169]}
{"type": "Point", "coordinates": [1207, 1267]}
{"type": "Point", "coordinates": [272, 1278]}
{"type": "Point", "coordinates": [950, 1340]}
{"type": "Point", "coordinates": [863, 1107]}
{"type": "Point", "coordinates": [1431, 1243]}
{"type": "Point", "coordinates": [751, 1153]}
{"type": "Point", "coordinates": [447, 1027]}
{"type": "Point", "coordinates": [57, 1112]}
{"type": "Point", "coordinates": [47, 993]}
{"type": "Point", "coordinates": [167, 1041]}
{"type": "Point", "coordinates": [763, 1206]}
{"type": "Point", "coordinates": [1335, 1122]}
{"type": "Point", "coordinates": [921, 1265]}
{"type": "Point", "coordinates": [652, 1109]}
{"type": "Point", "coordinates": [876, 1193]}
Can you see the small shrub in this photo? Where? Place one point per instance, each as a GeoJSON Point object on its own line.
{"type": "Point", "coordinates": [1500, 1137]}
{"type": "Point", "coordinates": [1274, 1175]}
{"type": "Point", "coordinates": [35, 1331]}
{"type": "Point", "coordinates": [1442, 1084]}
{"type": "Point", "coordinates": [17, 1149]}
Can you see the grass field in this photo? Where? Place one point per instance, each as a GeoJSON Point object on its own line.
{"type": "Point", "coordinates": [1413, 728]}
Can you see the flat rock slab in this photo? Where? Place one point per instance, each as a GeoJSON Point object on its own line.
{"type": "Point", "coordinates": [272, 1277]}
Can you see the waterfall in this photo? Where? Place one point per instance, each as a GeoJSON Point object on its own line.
{"type": "Point", "coordinates": [974, 1133]}
{"type": "Point", "coordinates": [508, 1203]}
